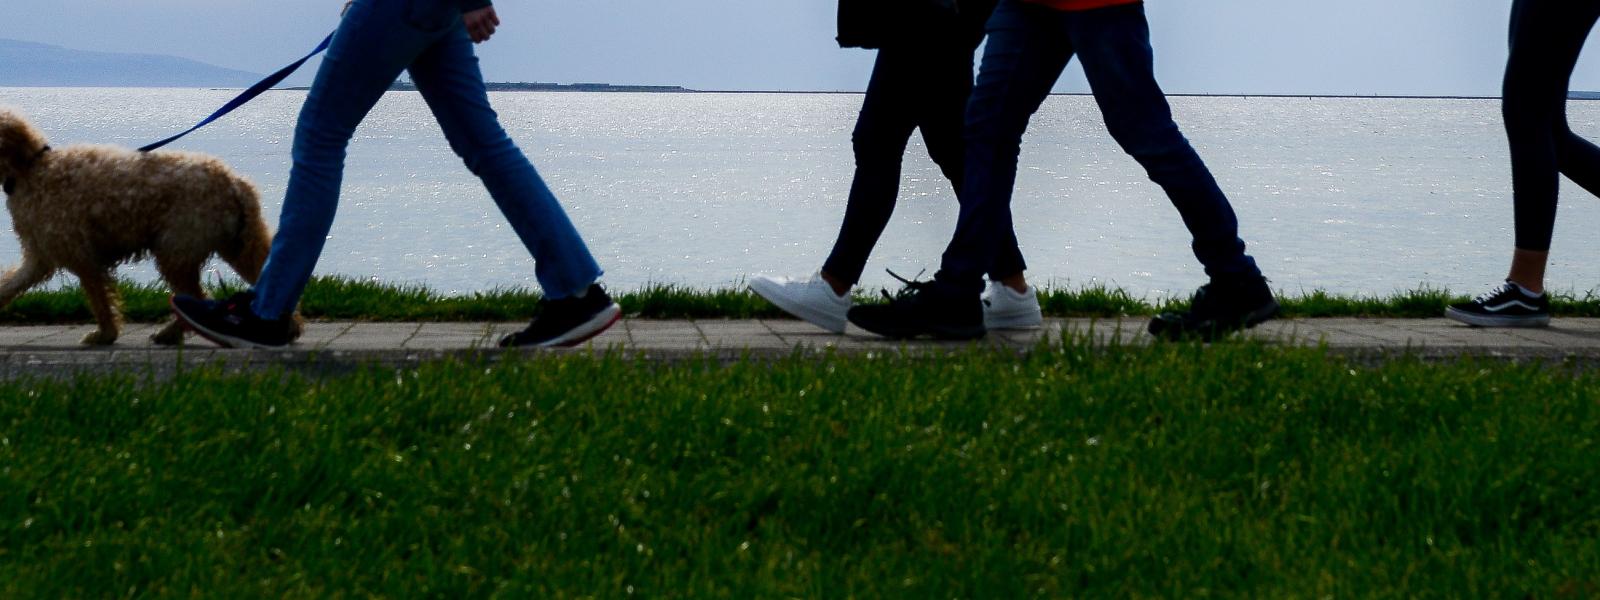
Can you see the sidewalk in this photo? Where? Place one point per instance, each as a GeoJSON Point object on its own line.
{"type": "Point", "coordinates": [54, 349]}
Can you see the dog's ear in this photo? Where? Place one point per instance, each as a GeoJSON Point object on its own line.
{"type": "Point", "coordinates": [6, 119]}
{"type": "Point", "coordinates": [10, 141]}
{"type": "Point", "coordinates": [19, 142]}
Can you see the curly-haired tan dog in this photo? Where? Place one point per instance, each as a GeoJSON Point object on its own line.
{"type": "Point", "coordinates": [87, 209]}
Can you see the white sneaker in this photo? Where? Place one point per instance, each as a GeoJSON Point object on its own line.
{"type": "Point", "coordinates": [810, 299]}
{"type": "Point", "coordinates": [1005, 308]}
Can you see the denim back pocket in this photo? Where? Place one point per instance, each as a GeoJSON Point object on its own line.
{"type": "Point", "coordinates": [431, 15]}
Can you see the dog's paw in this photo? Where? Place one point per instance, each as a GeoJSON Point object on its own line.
{"type": "Point", "coordinates": [99, 338]}
{"type": "Point", "coordinates": [171, 335]}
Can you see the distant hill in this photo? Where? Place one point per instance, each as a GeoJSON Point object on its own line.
{"type": "Point", "coordinates": [1584, 95]}
{"type": "Point", "coordinates": [28, 64]}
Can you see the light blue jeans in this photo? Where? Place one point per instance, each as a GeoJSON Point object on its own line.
{"type": "Point", "coordinates": [376, 40]}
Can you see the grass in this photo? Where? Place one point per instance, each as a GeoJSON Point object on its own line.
{"type": "Point", "coordinates": [339, 298]}
{"type": "Point", "coordinates": [1174, 471]}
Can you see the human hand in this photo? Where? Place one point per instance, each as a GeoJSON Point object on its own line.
{"type": "Point", "coordinates": [481, 23]}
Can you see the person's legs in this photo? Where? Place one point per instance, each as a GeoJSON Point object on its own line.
{"type": "Point", "coordinates": [941, 117]}
{"type": "Point", "coordinates": [1114, 48]}
{"type": "Point", "coordinates": [1546, 38]}
{"type": "Point", "coordinates": [882, 129]}
{"type": "Point", "coordinates": [884, 126]}
{"type": "Point", "coordinates": [1009, 302]}
{"type": "Point", "coordinates": [1025, 55]}
{"type": "Point", "coordinates": [448, 77]}
{"type": "Point", "coordinates": [373, 45]}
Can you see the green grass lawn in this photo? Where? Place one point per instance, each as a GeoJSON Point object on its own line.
{"type": "Point", "coordinates": [1172, 470]}
{"type": "Point", "coordinates": [346, 298]}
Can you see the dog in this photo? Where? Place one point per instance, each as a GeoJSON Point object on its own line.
{"type": "Point", "coordinates": [86, 209]}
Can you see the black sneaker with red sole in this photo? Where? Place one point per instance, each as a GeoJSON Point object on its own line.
{"type": "Point", "coordinates": [568, 321]}
{"type": "Point", "coordinates": [231, 323]}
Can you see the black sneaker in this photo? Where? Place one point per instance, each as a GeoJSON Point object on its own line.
{"type": "Point", "coordinates": [1224, 306]}
{"type": "Point", "coordinates": [230, 323]}
{"type": "Point", "coordinates": [922, 309]}
{"type": "Point", "coordinates": [1509, 305]}
{"type": "Point", "coordinates": [568, 322]}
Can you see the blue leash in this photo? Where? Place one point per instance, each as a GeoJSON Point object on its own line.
{"type": "Point", "coordinates": [248, 95]}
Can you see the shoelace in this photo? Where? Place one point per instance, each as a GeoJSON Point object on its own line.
{"type": "Point", "coordinates": [1485, 297]}
{"type": "Point", "coordinates": [911, 288]}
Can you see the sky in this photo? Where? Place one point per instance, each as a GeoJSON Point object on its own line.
{"type": "Point", "coordinates": [1361, 47]}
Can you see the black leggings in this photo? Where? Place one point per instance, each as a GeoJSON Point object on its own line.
{"type": "Point", "coordinates": [914, 86]}
{"type": "Point", "coordinates": [1546, 38]}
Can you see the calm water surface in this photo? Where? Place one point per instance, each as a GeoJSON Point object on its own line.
{"type": "Point", "coordinates": [1361, 196]}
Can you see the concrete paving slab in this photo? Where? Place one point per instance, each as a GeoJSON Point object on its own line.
{"type": "Point", "coordinates": [1557, 336]}
{"type": "Point", "coordinates": [63, 338]}
{"type": "Point", "coordinates": [316, 334]}
{"type": "Point", "coordinates": [44, 349]}
{"type": "Point", "coordinates": [615, 336]}
{"type": "Point", "coordinates": [1123, 331]}
{"type": "Point", "coordinates": [27, 334]}
{"type": "Point", "coordinates": [786, 328]}
{"type": "Point", "coordinates": [1288, 332]}
{"type": "Point", "coordinates": [666, 335]}
{"type": "Point", "coordinates": [1386, 332]}
{"type": "Point", "coordinates": [740, 334]}
{"type": "Point", "coordinates": [451, 335]}
{"type": "Point", "coordinates": [374, 335]}
{"type": "Point", "coordinates": [1020, 338]}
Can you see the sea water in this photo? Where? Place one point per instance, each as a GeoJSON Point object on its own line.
{"type": "Point", "coordinates": [1348, 195]}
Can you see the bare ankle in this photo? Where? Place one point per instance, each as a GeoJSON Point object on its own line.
{"type": "Point", "coordinates": [1527, 269]}
{"type": "Point", "coordinates": [1018, 283]}
{"type": "Point", "coordinates": [840, 288]}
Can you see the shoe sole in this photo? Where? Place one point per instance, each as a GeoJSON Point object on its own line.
{"type": "Point", "coordinates": [1213, 333]}
{"type": "Point", "coordinates": [1477, 320]}
{"type": "Point", "coordinates": [959, 334]}
{"type": "Point", "coordinates": [771, 292]}
{"type": "Point", "coordinates": [1031, 320]}
{"type": "Point", "coordinates": [226, 341]}
{"type": "Point", "coordinates": [596, 325]}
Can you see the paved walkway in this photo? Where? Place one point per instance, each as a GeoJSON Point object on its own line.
{"type": "Point", "coordinates": [54, 349]}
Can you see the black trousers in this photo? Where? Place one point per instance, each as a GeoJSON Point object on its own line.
{"type": "Point", "coordinates": [1546, 38]}
{"type": "Point", "coordinates": [922, 85]}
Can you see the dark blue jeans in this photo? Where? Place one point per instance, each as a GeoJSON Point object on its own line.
{"type": "Point", "coordinates": [1029, 46]}
{"type": "Point", "coordinates": [376, 40]}
{"type": "Point", "coordinates": [915, 85]}
{"type": "Point", "coordinates": [1546, 38]}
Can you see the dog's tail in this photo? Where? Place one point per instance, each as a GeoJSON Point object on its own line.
{"type": "Point", "coordinates": [252, 240]}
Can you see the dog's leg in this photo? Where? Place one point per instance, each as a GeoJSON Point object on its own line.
{"type": "Point", "coordinates": [184, 279]}
{"type": "Point", "coordinates": [100, 289]}
{"type": "Point", "coordinates": [250, 255]}
{"type": "Point", "coordinates": [31, 273]}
